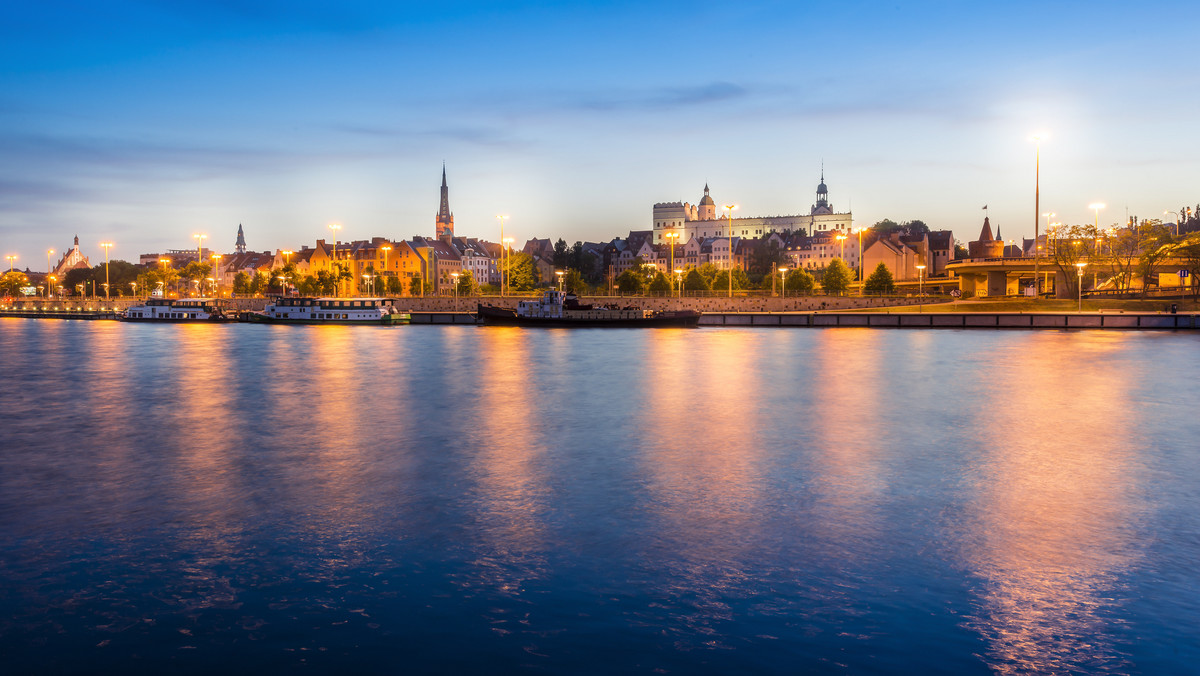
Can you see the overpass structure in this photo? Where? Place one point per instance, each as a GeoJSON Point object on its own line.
{"type": "Point", "coordinates": [1009, 276]}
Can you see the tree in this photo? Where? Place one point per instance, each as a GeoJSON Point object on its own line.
{"type": "Point", "coordinates": [75, 277]}
{"type": "Point", "coordinates": [574, 282]}
{"type": "Point", "coordinates": [1189, 251]}
{"type": "Point", "coordinates": [837, 277]}
{"type": "Point", "coordinates": [630, 282]}
{"type": "Point", "coordinates": [886, 227]}
{"type": "Point", "coordinates": [414, 286]}
{"type": "Point", "coordinates": [799, 279]}
{"type": "Point", "coordinates": [660, 284]}
{"type": "Point", "coordinates": [694, 281]}
{"type": "Point", "coordinates": [1157, 245]}
{"type": "Point", "coordinates": [1124, 248]}
{"type": "Point", "coordinates": [561, 254]}
{"type": "Point", "coordinates": [709, 272]}
{"type": "Point", "coordinates": [721, 279]}
{"type": "Point", "coordinates": [260, 283]}
{"type": "Point", "coordinates": [393, 285]}
{"type": "Point", "coordinates": [466, 283]}
{"type": "Point", "coordinates": [521, 274]}
{"type": "Point", "coordinates": [880, 280]}
{"type": "Point", "coordinates": [12, 282]}
{"type": "Point", "coordinates": [241, 283]}
{"type": "Point", "coordinates": [916, 227]}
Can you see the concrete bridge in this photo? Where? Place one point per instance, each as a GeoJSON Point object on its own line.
{"type": "Point", "coordinates": [1009, 276]}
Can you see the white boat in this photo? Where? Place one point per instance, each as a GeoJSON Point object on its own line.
{"type": "Point", "coordinates": [180, 310]}
{"type": "Point", "coordinates": [306, 310]}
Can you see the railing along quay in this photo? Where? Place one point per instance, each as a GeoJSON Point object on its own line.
{"type": "Point", "coordinates": [957, 320]}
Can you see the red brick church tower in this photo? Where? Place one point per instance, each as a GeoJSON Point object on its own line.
{"type": "Point", "coordinates": [445, 219]}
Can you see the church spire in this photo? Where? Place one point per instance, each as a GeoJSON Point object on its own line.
{"type": "Point", "coordinates": [445, 219]}
{"type": "Point", "coordinates": [240, 245]}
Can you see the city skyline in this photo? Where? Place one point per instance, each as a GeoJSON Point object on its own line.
{"type": "Point", "coordinates": [144, 125]}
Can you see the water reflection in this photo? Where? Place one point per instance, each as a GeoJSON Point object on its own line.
{"type": "Point", "coordinates": [1055, 516]}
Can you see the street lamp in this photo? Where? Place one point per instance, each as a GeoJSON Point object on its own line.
{"type": "Point", "coordinates": [333, 229]}
{"type": "Point", "coordinates": [216, 264]}
{"type": "Point", "coordinates": [671, 237]}
{"type": "Point", "coordinates": [729, 216]}
{"type": "Point", "coordinates": [1037, 200]}
{"type": "Point", "coordinates": [50, 285]}
{"type": "Point", "coordinates": [49, 289]}
{"type": "Point", "coordinates": [502, 241]}
{"type": "Point", "coordinates": [920, 280]}
{"type": "Point", "coordinates": [560, 274]}
{"type": "Point", "coordinates": [11, 258]}
{"type": "Point", "coordinates": [841, 238]}
{"type": "Point", "coordinates": [505, 253]}
{"type": "Point", "coordinates": [107, 246]}
{"type": "Point", "coordinates": [283, 283]}
{"type": "Point", "coordinates": [1037, 251]}
{"type": "Point", "coordinates": [386, 249]}
{"type": "Point", "coordinates": [1079, 267]}
{"type": "Point", "coordinates": [287, 257]}
{"type": "Point", "coordinates": [782, 286]}
{"type": "Point", "coordinates": [455, 276]}
{"type": "Point", "coordinates": [678, 281]}
{"type": "Point", "coordinates": [199, 246]}
{"type": "Point", "coordinates": [134, 285]}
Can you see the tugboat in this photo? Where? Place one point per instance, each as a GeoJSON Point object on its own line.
{"type": "Point", "coordinates": [556, 308]}
{"type": "Point", "coordinates": [330, 311]}
{"type": "Point", "coordinates": [181, 310]}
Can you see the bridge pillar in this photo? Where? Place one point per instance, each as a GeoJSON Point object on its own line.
{"type": "Point", "coordinates": [997, 283]}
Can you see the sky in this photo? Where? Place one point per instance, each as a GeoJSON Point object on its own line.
{"type": "Point", "coordinates": [143, 123]}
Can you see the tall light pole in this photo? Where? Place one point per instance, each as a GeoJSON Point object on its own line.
{"type": "Point", "coordinates": [107, 246]}
{"type": "Point", "coordinates": [1037, 201]}
{"type": "Point", "coordinates": [1037, 250]}
{"type": "Point", "coordinates": [216, 264]}
{"type": "Point", "coordinates": [1096, 207]}
{"type": "Point", "coordinates": [333, 229]}
{"type": "Point", "coordinates": [49, 289]}
{"type": "Point", "coordinates": [287, 256]}
{"type": "Point", "coordinates": [11, 258]}
{"type": "Point", "coordinates": [671, 237]}
{"type": "Point", "coordinates": [506, 255]}
{"type": "Point", "coordinates": [729, 216]}
{"type": "Point", "coordinates": [678, 281]}
{"type": "Point", "coordinates": [920, 285]}
{"type": "Point", "coordinates": [502, 241]}
{"type": "Point", "coordinates": [560, 274]}
{"type": "Point", "coordinates": [1079, 267]}
{"type": "Point", "coordinates": [455, 276]}
{"type": "Point", "coordinates": [841, 238]}
{"type": "Point", "coordinates": [782, 284]}
{"type": "Point", "coordinates": [386, 249]}
{"type": "Point", "coordinates": [199, 246]}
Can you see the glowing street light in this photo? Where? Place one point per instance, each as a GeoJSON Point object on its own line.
{"type": "Point", "coordinates": [455, 276]}
{"type": "Point", "coordinates": [386, 249]}
{"type": "Point", "coordinates": [216, 264]}
{"type": "Point", "coordinates": [1037, 198]}
{"type": "Point", "coordinates": [199, 237]}
{"type": "Point", "coordinates": [505, 251]}
{"type": "Point", "coordinates": [671, 237]}
{"type": "Point", "coordinates": [729, 218]}
{"type": "Point", "coordinates": [134, 285]}
{"type": "Point", "coordinates": [287, 256]}
{"type": "Point", "coordinates": [11, 258]}
{"type": "Point", "coordinates": [107, 246]}
{"type": "Point", "coordinates": [502, 241]}
{"type": "Point", "coordinates": [841, 238]}
{"type": "Point", "coordinates": [782, 286]}
{"type": "Point", "coordinates": [679, 281]}
{"type": "Point", "coordinates": [49, 253]}
{"type": "Point", "coordinates": [560, 274]}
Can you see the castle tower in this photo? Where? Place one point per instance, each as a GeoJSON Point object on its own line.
{"type": "Point", "coordinates": [708, 208]}
{"type": "Point", "coordinates": [240, 246]}
{"type": "Point", "coordinates": [444, 227]}
{"type": "Point", "coordinates": [822, 204]}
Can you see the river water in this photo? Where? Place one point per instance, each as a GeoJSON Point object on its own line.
{"type": "Point", "coordinates": [452, 498]}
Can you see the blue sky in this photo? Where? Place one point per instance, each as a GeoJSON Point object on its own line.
{"type": "Point", "coordinates": [144, 122]}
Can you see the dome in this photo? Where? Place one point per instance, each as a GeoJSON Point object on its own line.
{"type": "Point", "coordinates": [821, 188]}
{"type": "Point", "coordinates": [707, 201]}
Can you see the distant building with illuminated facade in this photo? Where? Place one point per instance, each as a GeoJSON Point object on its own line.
{"type": "Point", "coordinates": [702, 221]}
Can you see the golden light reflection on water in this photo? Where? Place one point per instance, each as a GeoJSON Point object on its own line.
{"type": "Point", "coordinates": [1055, 513]}
{"type": "Point", "coordinates": [512, 486]}
{"type": "Point", "coordinates": [845, 456]}
{"type": "Point", "coordinates": [701, 430]}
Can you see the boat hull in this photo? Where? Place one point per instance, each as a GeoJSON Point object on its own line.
{"type": "Point", "coordinates": [386, 320]}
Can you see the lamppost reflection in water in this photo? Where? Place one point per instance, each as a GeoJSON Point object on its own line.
{"type": "Point", "coordinates": [1054, 513]}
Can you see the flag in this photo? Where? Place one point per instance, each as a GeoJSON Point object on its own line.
{"type": "Point", "coordinates": [985, 207]}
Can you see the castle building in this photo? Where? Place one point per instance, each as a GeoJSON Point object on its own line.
{"type": "Point", "coordinates": [444, 222]}
{"type": "Point", "coordinates": [701, 221]}
{"type": "Point", "coordinates": [986, 246]}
